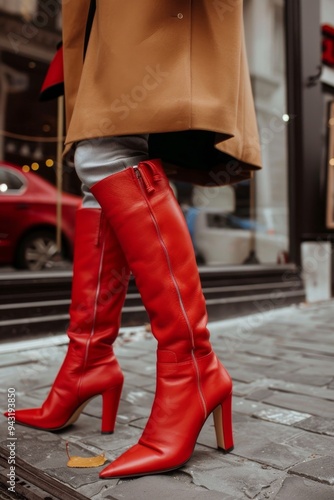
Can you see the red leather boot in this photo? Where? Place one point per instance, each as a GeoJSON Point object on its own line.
{"type": "Point", "coordinates": [191, 382]}
{"type": "Point", "coordinates": [90, 368]}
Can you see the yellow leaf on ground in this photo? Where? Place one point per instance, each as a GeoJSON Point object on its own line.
{"type": "Point", "coordinates": [85, 461]}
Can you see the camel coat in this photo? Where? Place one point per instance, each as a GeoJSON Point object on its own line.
{"type": "Point", "coordinates": [175, 69]}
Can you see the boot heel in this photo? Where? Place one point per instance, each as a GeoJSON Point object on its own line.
{"type": "Point", "coordinates": [110, 402]}
{"type": "Point", "coordinates": [222, 417]}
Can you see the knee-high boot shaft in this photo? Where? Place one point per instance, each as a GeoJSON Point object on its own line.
{"type": "Point", "coordinates": [191, 382]}
{"type": "Point", "coordinates": [151, 229]}
{"type": "Point", "coordinates": [90, 368]}
{"type": "Point", "coordinates": [100, 282]}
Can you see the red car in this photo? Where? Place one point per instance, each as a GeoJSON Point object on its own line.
{"type": "Point", "coordinates": [28, 220]}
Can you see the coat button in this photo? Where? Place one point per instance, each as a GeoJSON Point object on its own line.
{"type": "Point", "coordinates": [180, 16]}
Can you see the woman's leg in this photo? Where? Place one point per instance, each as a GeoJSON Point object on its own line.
{"type": "Point", "coordinates": [191, 382]}
{"type": "Point", "coordinates": [90, 368]}
{"type": "Point", "coordinates": [88, 199]}
{"type": "Point", "coordinates": [100, 279]}
{"type": "Point", "coordinates": [96, 159]}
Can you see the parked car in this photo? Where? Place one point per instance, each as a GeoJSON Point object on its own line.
{"type": "Point", "coordinates": [28, 220]}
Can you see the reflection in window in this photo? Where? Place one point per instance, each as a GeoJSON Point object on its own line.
{"type": "Point", "coordinates": [25, 8]}
{"type": "Point", "coordinates": [268, 196]}
{"type": "Point", "coordinates": [247, 223]}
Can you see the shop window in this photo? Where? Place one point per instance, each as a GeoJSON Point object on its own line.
{"type": "Point", "coordinates": [247, 223]}
{"type": "Point", "coordinates": [330, 171]}
{"type": "Point", "coordinates": [23, 8]}
{"type": "Point", "coordinates": [267, 199]}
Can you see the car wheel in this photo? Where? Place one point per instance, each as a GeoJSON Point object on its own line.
{"type": "Point", "coordinates": [38, 251]}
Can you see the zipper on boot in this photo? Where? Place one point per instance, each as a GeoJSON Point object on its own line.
{"type": "Point", "coordinates": [145, 184]}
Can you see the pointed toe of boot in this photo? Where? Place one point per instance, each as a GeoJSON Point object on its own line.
{"type": "Point", "coordinates": [138, 461]}
{"type": "Point", "coordinates": [36, 418]}
{"type": "Point", "coordinates": [30, 417]}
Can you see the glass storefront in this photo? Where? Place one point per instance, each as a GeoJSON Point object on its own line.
{"type": "Point", "coordinates": [268, 202]}
{"type": "Point", "coordinates": [327, 78]}
{"type": "Point", "coordinates": [248, 222]}
{"type": "Point", "coordinates": [25, 8]}
{"type": "Point", "coordinates": [239, 225]}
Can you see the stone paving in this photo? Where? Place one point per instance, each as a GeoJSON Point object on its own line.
{"type": "Point", "coordinates": [282, 364]}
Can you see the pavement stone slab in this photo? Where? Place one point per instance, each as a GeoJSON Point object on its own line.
{"type": "Point", "coordinates": [244, 389]}
{"type": "Point", "coordinates": [22, 401]}
{"type": "Point", "coordinates": [113, 444]}
{"type": "Point", "coordinates": [281, 364]}
{"type": "Point", "coordinates": [270, 492]}
{"type": "Point", "coordinates": [299, 377]}
{"type": "Point", "coordinates": [275, 371]}
{"type": "Point", "coordinates": [17, 358]}
{"type": "Point", "coordinates": [128, 412]}
{"type": "Point", "coordinates": [163, 488]}
{"type": "Point", "coordinates": [85, 426]}
{"type": "Point", "coordinates": [317, 365]}
{"type": "Point", "coordinates": [259, 348]}
{"type": "Point", "coordinates": [242, 359]}
{"type": "Point", "coordinates": [28, 377]}
{"type": "Point", "coordinates": [75, 477]}
{"type": "Point", "coordinates": [320, 469]}
{"type": "Point", "coordinates": [298, 488]}
{"type": "Point", "coordinates": [38, 448]}
{"type": "Point", "coordinates": [260, 395]}
{"type": "Point", "coordinates": [299, 402]}
{"type": "Point", "coordinates": [312, 443]}
{"type": "Point", "coordinates": [243, 375]}
{"type": "Point", "coordinates": [235, 476]}
{"type": "Point", "coordinates": [139, 380]}
{"type": "Point", "coordinates": [322, 348]}
{"type": "Point", "coordinates": [247, 406]}
{"type": "Point", "coordinates": [131, 352]}
{"type": "Point", "coordinates": [137, 405]}
{"type": "Point", "coordinates": [302, 359]}
{"type": "Point", "coordinates": [273, 454]}
{"type": "Point", "coordinates": [320, 425]}
{"type": "Point", "coordinates": [137, 396]}
{"type": "Point", "coordinates": [143, 367]}
{"type": "Point", "coordinates": [281, 416]}
{"type": "Point", "coordinates": [241, 388]}
{"type": "Point", "coordinates": [98, 489]}
{"type": "Point", "coordinates": [303, 389]}
{"type": "Point", "coordinates": [267, 443]}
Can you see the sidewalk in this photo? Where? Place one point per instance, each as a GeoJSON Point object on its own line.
{"type": "Point", "coordinates": [282, 364]}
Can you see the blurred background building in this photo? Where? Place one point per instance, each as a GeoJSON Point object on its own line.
{"type": "Point", "coordinates": [30, 32]}
{"type": "Point", "coordinates": [247, 235]}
